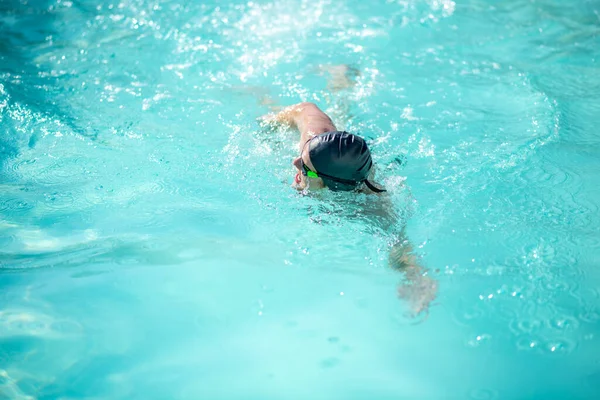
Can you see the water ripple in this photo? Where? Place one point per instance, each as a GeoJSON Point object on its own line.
{"type": "Point", "coordinates": [128, 137]}
{"type": "Point", "coordinates": [16, 206]}
{"type": "Point", "coordinates": [16, 322]}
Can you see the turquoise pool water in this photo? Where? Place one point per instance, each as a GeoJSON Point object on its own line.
{"type": "Point", "coordinates": [151, 246]}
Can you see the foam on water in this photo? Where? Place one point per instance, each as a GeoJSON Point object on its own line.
{"type": "Point", "coordinates": [151, 245]}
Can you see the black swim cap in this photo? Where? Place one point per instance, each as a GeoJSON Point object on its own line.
{"type": "Point", "coordinates": [342, 160]}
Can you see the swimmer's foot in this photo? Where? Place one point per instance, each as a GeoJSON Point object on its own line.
{"type": "Point", "coordinates": [260, 93]}
{"type": "Point", "coordinates": [340, 76]}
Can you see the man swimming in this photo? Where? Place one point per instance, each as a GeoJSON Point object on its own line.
{"type": "Point", "coordinates": [341, 161]}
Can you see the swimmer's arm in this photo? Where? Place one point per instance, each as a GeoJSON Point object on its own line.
{"type": "Point", "coordinates": [418, 288]}
{"type": "Point", "coordinates": [306, 117]}
{"type": "Point", "coordinates": [288, 116]}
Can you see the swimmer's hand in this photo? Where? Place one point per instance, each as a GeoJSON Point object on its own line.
{"type": "Point", "coordinates": [419, 291]}
{"type": "Point", "coordinates": [282, 115]}
{"type": "Point", "coordinates": [267, 119]}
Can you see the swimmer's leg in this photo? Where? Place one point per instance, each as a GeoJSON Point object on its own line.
{"type": "Point", "coordinates": [261, 94]}
{"type": "Point", "coordinates": [341, 77]}
{"type": "Point", "coordinates": [341, 80]}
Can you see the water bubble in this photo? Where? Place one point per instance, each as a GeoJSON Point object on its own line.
{"type": "Point", "coordinates": [527, 343]}
{"type": "Point", "coordinates": [559, 346]}
{"type": "Point", "coordinates": [478, 340]}
{"type": "Point", "coordinates": [564, 323]}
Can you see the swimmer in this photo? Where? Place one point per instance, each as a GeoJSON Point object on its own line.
{"type": "Point", "coordinates": [328, 158]}
{"type": "Point", "coordinates": [341, 161]}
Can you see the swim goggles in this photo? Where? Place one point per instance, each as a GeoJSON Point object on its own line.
{"type": "Point", "coordinates": [312, 174]}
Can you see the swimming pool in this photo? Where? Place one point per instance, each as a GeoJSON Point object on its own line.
{"type": "Point", "coordinates": [151, 246]}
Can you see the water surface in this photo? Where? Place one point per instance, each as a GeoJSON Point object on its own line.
{"type": "Point", "coordinates": [151, 246]}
